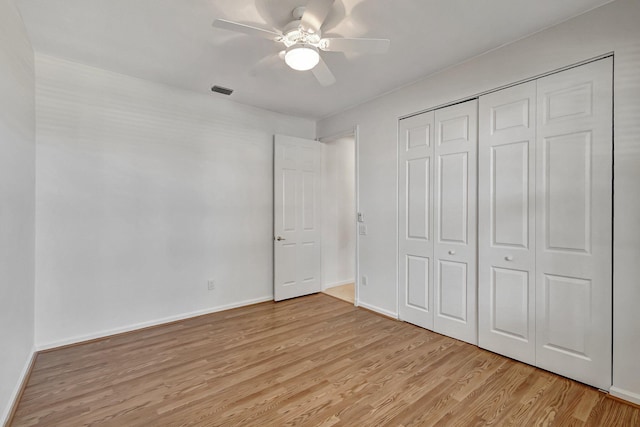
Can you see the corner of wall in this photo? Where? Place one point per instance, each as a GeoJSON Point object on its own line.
{"type": "Point", "coordinates": [18, 390]}
{"type": "Point", "coordinates": [17, 191]}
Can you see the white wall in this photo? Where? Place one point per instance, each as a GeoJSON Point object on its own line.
{"type": "Point", "coordinates": [612, 28]}
{"type": "Point", "coordinates": [338, 212]}
{"type": "Point", "coordinates": [17, 192]}
{"type": "Point", "coordinates": [144, 192]}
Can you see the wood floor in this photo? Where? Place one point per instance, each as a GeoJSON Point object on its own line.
{"type": "Point", "coordinates": [344, 292]}
{"type": "Point", "coordinates": [310, 361]}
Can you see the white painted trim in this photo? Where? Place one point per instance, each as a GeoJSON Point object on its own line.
{"type": "Point", "coordinates": [156, 322]}
{"type": "Point", "coordinates": [397, 212]}
{"type": "Point", "coordinates": [382, 311]}
{"type": "Point", "coordinates": [625, 395]}
{"type": "Point", "coordinates": [355, 133]}
{"type": "Point", "coordinates": [356, 143]}
{"type": "Point", "coordinates": [16, 389]}
{"type": "Point", "coordinates": [338, 135]}
{"type": "Point", "coordinates": [506, 86]}
{"type": "Point", "coordinates": [335, 284]}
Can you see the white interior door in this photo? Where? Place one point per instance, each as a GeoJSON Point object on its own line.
{"type": "Point", "coordinates": [455, 249]}
{"type": "Point", "coordinates": [296, 196]}
{"type": "Point", "coordinates": [415, 177]}
{"type": "Point", "coordinates": [573, 223]}
{"type": "Point", "coordinates": [506, 214]}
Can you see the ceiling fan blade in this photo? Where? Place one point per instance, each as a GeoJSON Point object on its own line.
{"type": "Point", "coordinates": [314, 14]}
{"type": "Point", "coordinates": [323, 74]}
{"type": "Point", "coordinates": [246, 29]}
{"type": "Point", "coordinates": [355, 45]}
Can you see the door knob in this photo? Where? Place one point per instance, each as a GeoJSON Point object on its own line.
{"type": "Point", "coordinates": [280, 238]}
{"type": "Point", "coordinates": [452, 252]}
{"type": "Point", "coordinates": [508, 258]}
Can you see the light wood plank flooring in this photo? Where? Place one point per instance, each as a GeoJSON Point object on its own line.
{"type": "Point", "coordinates": [308, 361]}
{"type": "Point", "coordinates": [344, 292]}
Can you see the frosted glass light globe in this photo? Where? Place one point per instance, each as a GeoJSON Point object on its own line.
{"type": "Point", "coordinates": [302, 57]}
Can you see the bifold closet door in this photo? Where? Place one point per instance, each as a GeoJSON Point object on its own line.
{"type": "Point", "coordinates": [506, 214]}
{"type": "Point", "coordinates": [437, 220]}
{"type": "Point", "coordinates": [545, 214]}
{"type": "Point", "coordinates": [455, 249]}
{"type": "Point", "coordinates": [415, 235]}
{"type": "Point", "coordinates": [574, 223]}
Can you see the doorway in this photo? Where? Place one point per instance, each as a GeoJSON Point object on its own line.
{"type": "Point", "coordinates": [339, 213]}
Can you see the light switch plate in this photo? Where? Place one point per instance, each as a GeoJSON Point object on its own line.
{"type": "Point", "coordinates": [363, 229]}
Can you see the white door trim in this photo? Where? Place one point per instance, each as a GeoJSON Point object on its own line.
{"type": "Point", "coordinates": [353, 132]}
{"type": "Point", "coordinates": [529, 79]}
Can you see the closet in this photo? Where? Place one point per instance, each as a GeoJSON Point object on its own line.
{"type": "Point", "coordinates": [544, 222]}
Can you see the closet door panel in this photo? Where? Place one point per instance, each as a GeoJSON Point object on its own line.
{"type": "Point", "coordinates": [453, 199]}
{"type": "Point", "coordinates": [567, 189]}
{"type": "Point", "coordinates": [415, 240]}
{"type": "Point", "coordinates": [452, 290]}
{"type": "Point", "coordinates": [418, 178]}
{"type": "Point", "coordinates": [455, 221]}
{"type": "Point", "coordinates": [510, 303]}
{"type": "Point", "coordinates": [506, 157]}
{"type": "Point", "coordinates": [574, 217]}
{"type": "Point", "coordinates": [510, 193]}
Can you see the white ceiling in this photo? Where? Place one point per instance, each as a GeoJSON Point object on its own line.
{"type": "Point", "coordinates": [173, 42]}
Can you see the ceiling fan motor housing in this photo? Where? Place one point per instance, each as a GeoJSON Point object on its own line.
{"type": "Point", "coordinates": [293, 33]}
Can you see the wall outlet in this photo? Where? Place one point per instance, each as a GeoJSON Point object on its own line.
{"type": "Point", "coordinates": [364, 281]}
{"type": "Point", "coordinates": [211, 285]}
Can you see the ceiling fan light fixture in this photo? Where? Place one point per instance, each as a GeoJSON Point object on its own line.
{"type": "Point", "coordinates": [302, 57]}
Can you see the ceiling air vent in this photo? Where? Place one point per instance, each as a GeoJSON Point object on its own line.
{"type": "Point", "coordinates": [222, 90]}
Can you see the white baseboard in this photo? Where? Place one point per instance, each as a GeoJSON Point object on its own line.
{"type": "Point", "coordinates": [382, 311]}
{"type": "Point", "coordinates": [335, 284]}
{"type": "Point", "coordinates": [17, 388]}
{"type": "Point", "coordinates": [102, 334]}
{"type": "Point", "coordinates": [625, 395]}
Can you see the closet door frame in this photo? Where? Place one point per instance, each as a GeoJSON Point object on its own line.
{"type": "Point", "coordinates": [535, 314]}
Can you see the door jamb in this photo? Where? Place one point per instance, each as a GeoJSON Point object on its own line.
{"type": "Point", "coordinates": [353, 132]}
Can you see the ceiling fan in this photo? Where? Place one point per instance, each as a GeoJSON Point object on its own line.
{"type": "Point", "coordinates": [302, 39]}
